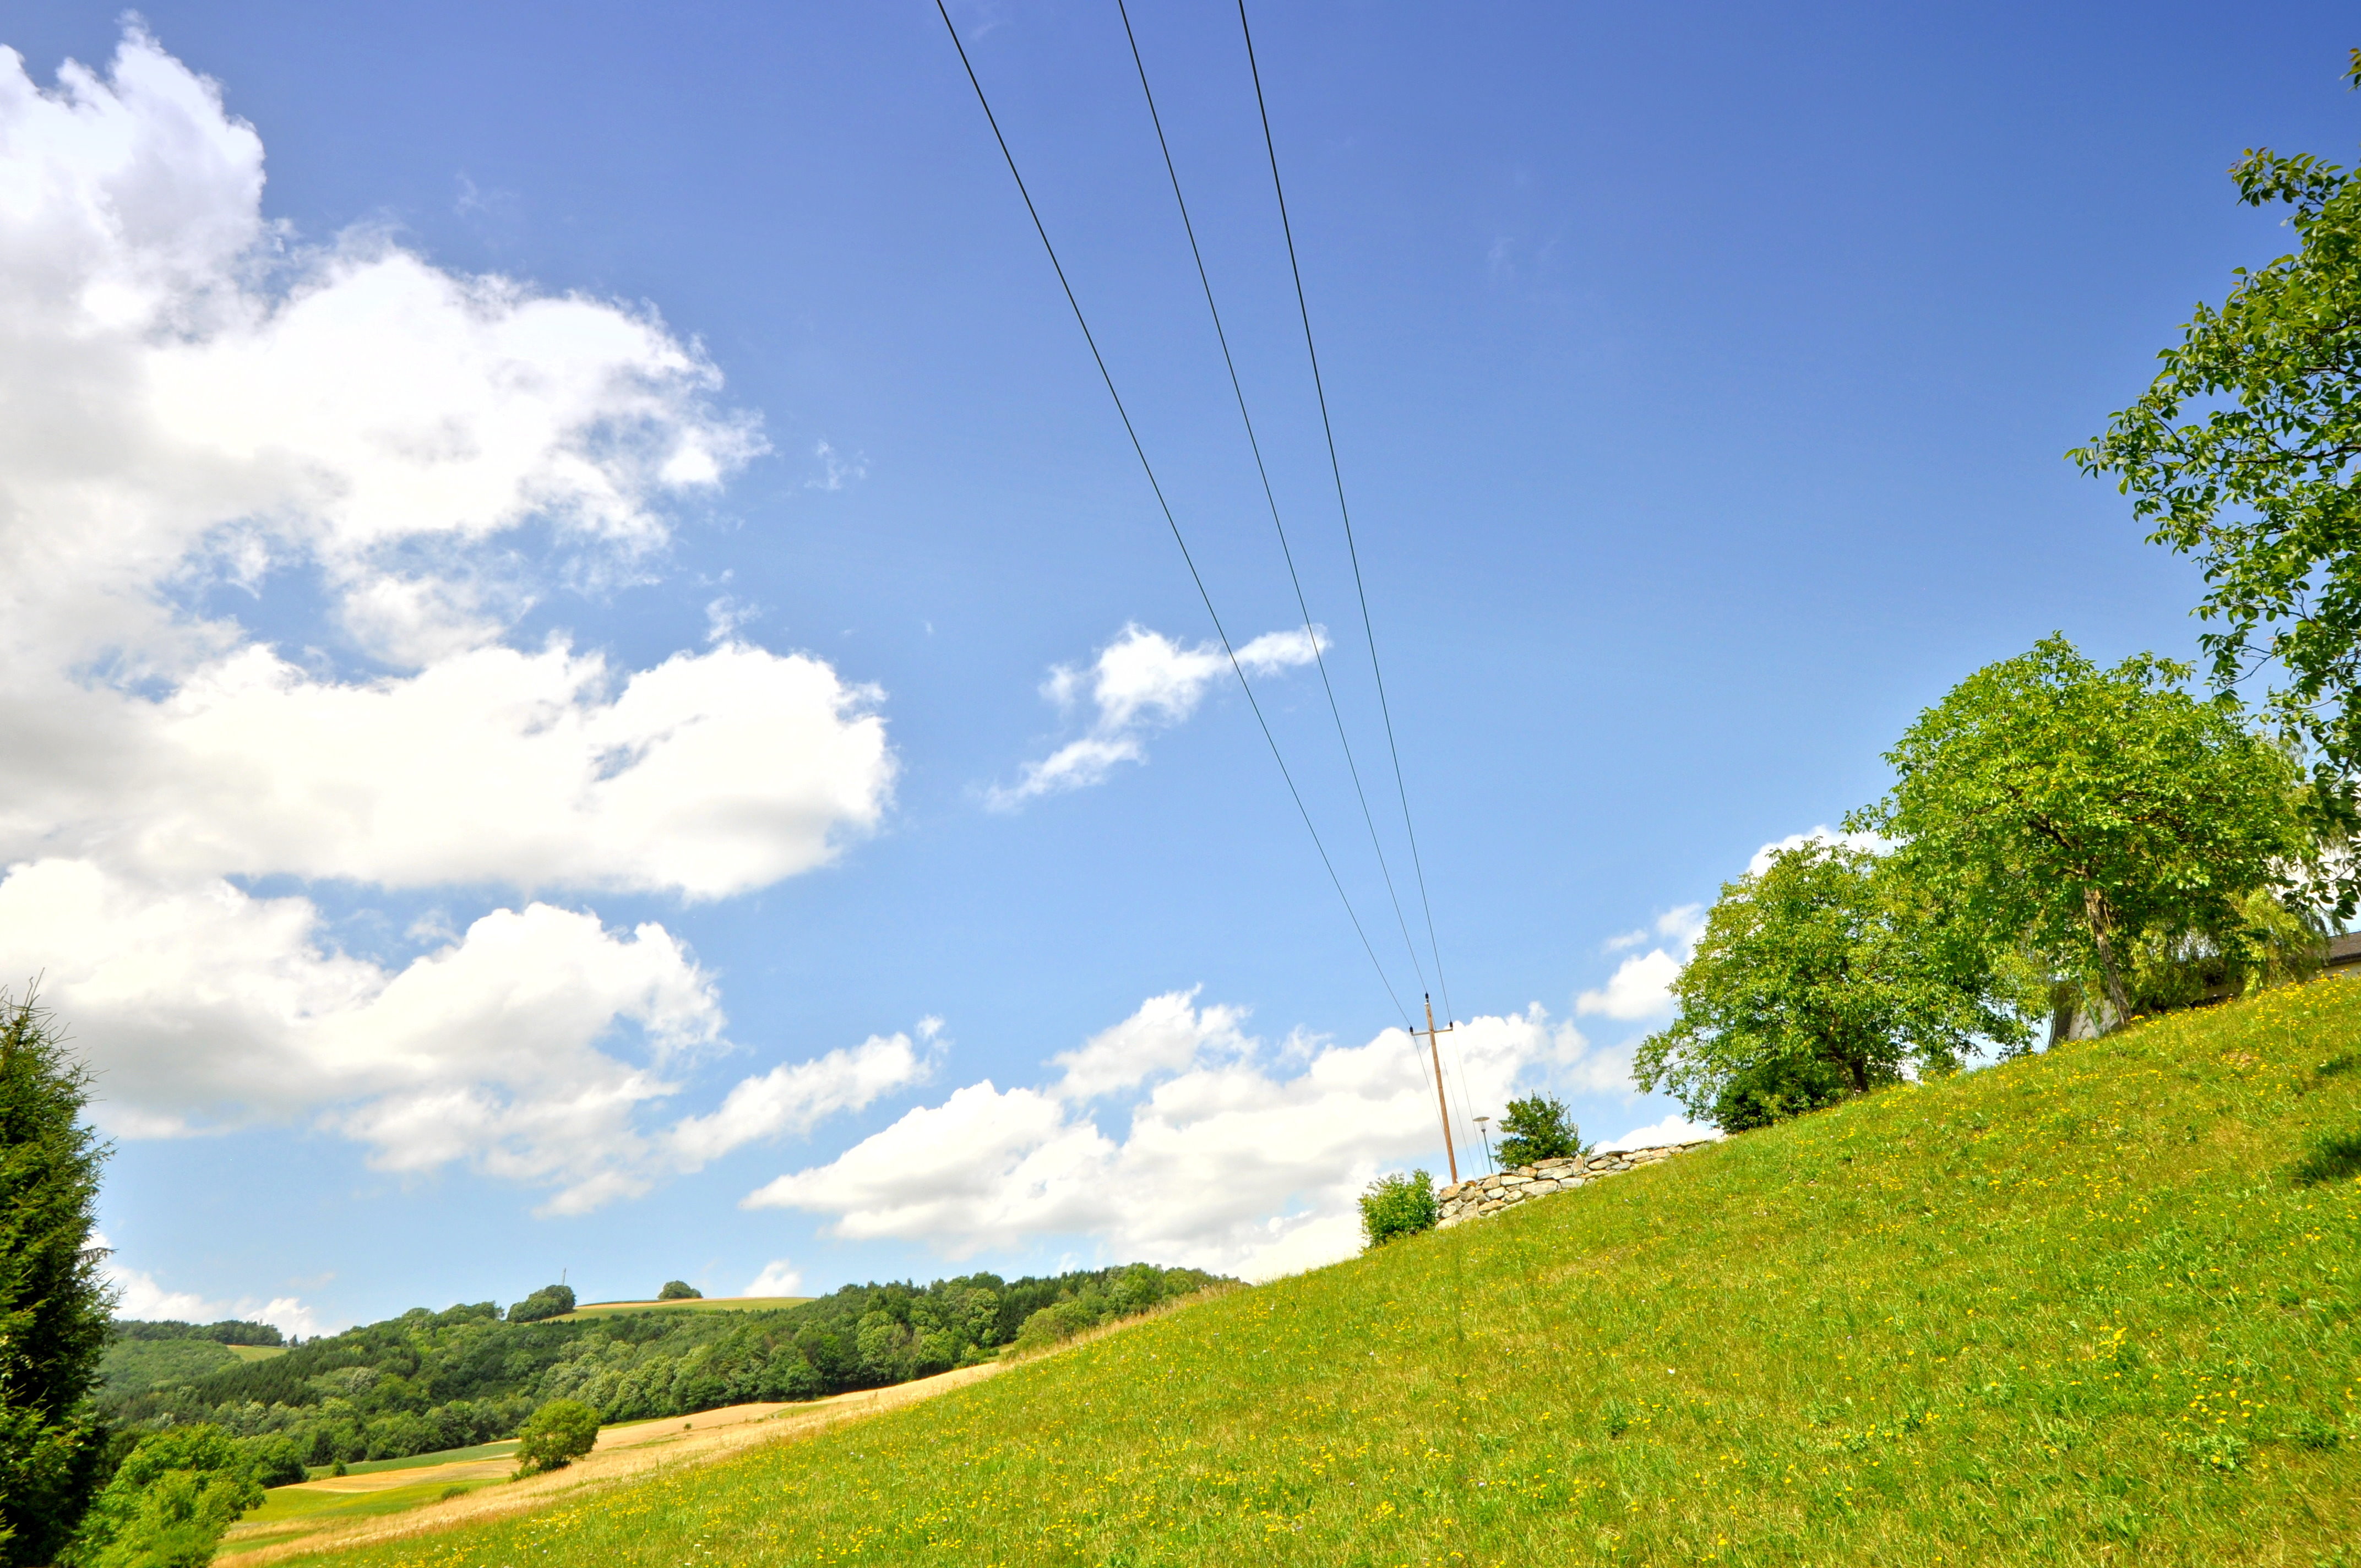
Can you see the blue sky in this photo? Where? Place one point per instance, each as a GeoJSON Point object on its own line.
{"type": "Point", "coordinates": [1699, 378]}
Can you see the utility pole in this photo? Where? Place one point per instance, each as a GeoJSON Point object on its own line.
{"type": "Point", "coordinates": [1436, 1052]}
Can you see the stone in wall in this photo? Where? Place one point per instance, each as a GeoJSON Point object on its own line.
{"type": "Point", "coordinates": [1483, 1196]}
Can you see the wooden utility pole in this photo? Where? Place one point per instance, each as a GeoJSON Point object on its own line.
{"type": "Point", "coordinates": [1435, 1051]}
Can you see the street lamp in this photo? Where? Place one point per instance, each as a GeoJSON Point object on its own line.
{"type": "Point", "coordinates": [1483, 1129]}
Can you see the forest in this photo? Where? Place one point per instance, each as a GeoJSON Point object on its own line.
{"type": "Point", "coordinates": [427, 1381]}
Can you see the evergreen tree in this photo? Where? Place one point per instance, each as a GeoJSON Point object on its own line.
{"type": "Point", "coordinates": [54, 1304]}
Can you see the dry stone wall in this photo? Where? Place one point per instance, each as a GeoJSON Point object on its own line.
{"type": "Point", "coordinates": [1477, 1198]}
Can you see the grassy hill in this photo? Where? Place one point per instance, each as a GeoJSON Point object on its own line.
{"type": "Point", "coordinates": [693, 1304]}
{"type": "Point", "coordinates": [2075, 1309]}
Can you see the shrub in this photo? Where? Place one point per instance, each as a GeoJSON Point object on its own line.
{"type": "Point", "coordinates": [1536, 1129]}
{"type": "Point", "coordinates": [679, 1290]}
{"type": "Point", "coordinates": [549, 1301]}
{"type": "Point", "coordinates": [1773, 1090]}
{"type": "Point", "coordinates": [1058, 1321]}
{"type": "Point", "coordinates": [170, 1502]}
{"type": "Point", "coordinates": [1398, 1205]}
{"type": "Point", "coordinates": [555, 1435]}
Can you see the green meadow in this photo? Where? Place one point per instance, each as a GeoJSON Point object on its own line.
{"type": "Point", "coordinates": [2076, 1308]}
{"type": "Point", "coordinates": [695, 1304]}
{"type": "Point", "coordinates": [290, 1511]}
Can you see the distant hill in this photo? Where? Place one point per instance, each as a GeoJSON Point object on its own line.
{"type": "Point", "coordinates": [2101, 1305]}
{"type": "Point", "coordinates": [687, 1304]}
{"type": "Point", "coordinates": [428, 1381]}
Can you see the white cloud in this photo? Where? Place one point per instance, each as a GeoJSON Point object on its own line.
{"type": "Point", "coordinates": [1237, 1158]}
{"type": "Point", "coordinates": [1683, 923]}
{"type": "Point", "coordinates": [710, 774]}
{"type": "Point", "coordinates": [1641, 987]}
{"type": "Point", "coordinates": [198, 409]}
{"type": "Point", "coordinates": [835, 469]}
{"type": "Point", "coordinates": [791, 1099]}
{"type": "Point", "coordinates": [1165, 1036]}
{"type": "Point", "coordinates": [1141, 682]}
{"type": "Point", "coordinates": [525, 1048]}
{"type": "Point", "coordinates": [1874, 843]}
{"type": "Point", "coordinates": [1672, 1129]}
{"type": "Point", "coordinates": [779, 1277]}
{"type": "Point", "coordinates": [139, 1297]}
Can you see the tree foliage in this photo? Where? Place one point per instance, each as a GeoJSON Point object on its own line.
{"type": "Point", "coordinates": [1820, 978]}
{"type": "Point", "coordinates": [679, 1290]}
{"type": "Point", "coordinates": [2089, 815]}
{"type": "Point", "coordinates": [53, 1302]}
{"type": "Point", "coordinates": [1395, 1205]}
{"type": "Point", "coordinates": [1536, 1128]}
{"type": "Point", "coordinates": [2243, 453]}
{"type": "Point", "coordinates": [229, 1331]}
{"type": "Point", "coordinates": [427, 1381]}
{"type": "Point", "coordinates": [555, 1435]}
{"type": "Point", "coordinates": [549, 1301]}
{"type": "Point", "coordinates": [169, 1503]}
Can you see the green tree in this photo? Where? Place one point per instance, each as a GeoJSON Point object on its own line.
{"type": "Point", "coordinates": [169, 1503]}
{"type": "Point", "coordinates": [1396, 1205]}
{"type": "Point", "coordinates": [2243, 454]}
{"type": "Point", "coordinates": [2083, 814]}
{"type": "Point", "coordinates": [679, 1290]}
{"type": "Point", "coordinates": [54, 1304]}
{"type": "Point", "coordinates": [1534, 1129]}
{"type": "Point", "coordinates": [555, 1435]}
{"type": "Point", "coordinates": [1819, 977]}
{"type": "Point", "coordinates": [549, 1301]}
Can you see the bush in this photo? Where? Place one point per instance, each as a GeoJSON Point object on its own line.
{"type": "Point", "coordinates": [1059, 1322]}
{"type": "Point", "coordinates": [549, 1301]}
{"type": "Point", "coordinates": [170, 1502]}
{"type": "Point", "coordinates": [1536, 1129]}
{"type": "Point", "coordinates": [1773, 1090]}
{"type": "Point", "coordinates": [1398, 1205]}
{"type": "Point", "coordinates": [555, 1435]}
{"type": "Point", "coordinates": [679, 1290]}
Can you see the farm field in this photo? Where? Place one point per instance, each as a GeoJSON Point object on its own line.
{"type": "Point", "coordinates": [255, 1351]}
{"type": "Point", "coordinates": [702, 1304]}
{"type": "Point", "coordinates": [404, 1499]}
{"type": "Point", "coordinates": [2075, 1308]}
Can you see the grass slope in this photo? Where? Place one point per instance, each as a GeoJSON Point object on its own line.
{"type": "Point", "coordinates": [693, 1304]}
{"type": "Point", "coordinates": [2070, 1310]}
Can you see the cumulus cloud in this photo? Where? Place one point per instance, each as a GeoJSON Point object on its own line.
{"type": "Point", "coordinates": [710, 774]}
{"type": "Point", "coordinates": [1876, 844]}
{"type": "Point", "coordinates": [1672, 1129]}
{"type": "Point", "coordinates": [1141, 682]}
{"type": "Point", "coordinates": [1640, 986]}
{"type": "Point", "coordinates": [200, 409]}
{"type": "Point", "coordinates": [1238, 1156]}
{"type": "Point", "coordinates": [139, 1297]}
{"type": "Point", "coordinates": [1165, 1036]}
{"type": "Point", "coordinates": [779, 1277]}
{"type": "Point", "coordinates": [791, 1099]}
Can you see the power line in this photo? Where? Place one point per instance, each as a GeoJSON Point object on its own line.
{"type": "Point", "coordinates": [1336, 468]}
{"type": "Point", "coordinates": [1165, 506]}
{"type": "Point", "coordinates": [1238, 390]}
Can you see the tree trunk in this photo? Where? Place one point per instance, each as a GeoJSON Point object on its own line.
{"type": "Point", "coordinates": [2095, 909]}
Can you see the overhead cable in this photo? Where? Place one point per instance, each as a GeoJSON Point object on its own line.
{"type": "Point", "coordinates": [1288, 553]}
{"type": "Point", "coordinates": [1336, 469]}
{"type": "Point", "coordinates": [1165, 506]}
